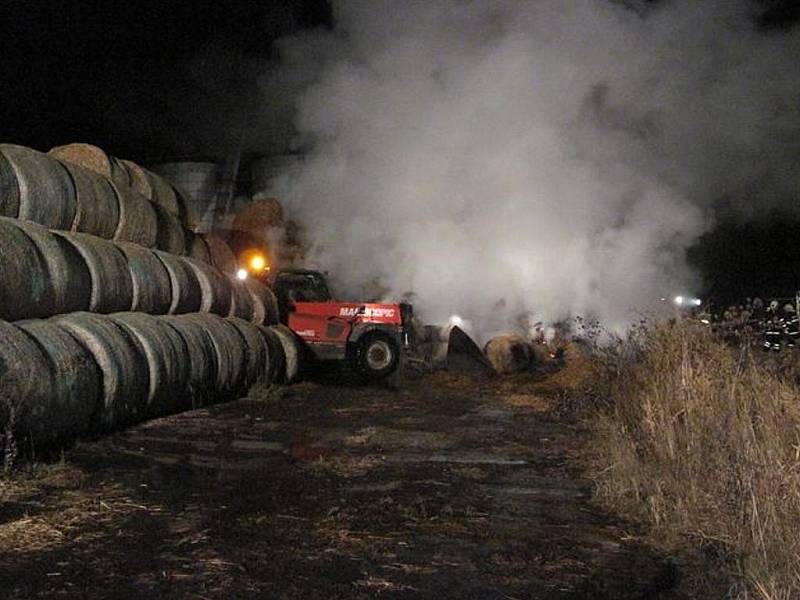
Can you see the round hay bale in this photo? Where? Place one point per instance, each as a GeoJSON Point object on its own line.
{"type": "Point", "coordinates": [167, 359]}
{"type": "Point", "coordinates": [112, 286]}
{"type": "Point", "coordinates": [230, 349]}
{"type": "Point", "coordinates": [258, 216]}
{"type": "Point", "coordinates": [137, 218]}
{"type": "Point", "coordinates": [509, 353]}
{"type": "Point", "coordinates": [221, 255]}
{"type": "Point", "coordinates": [265, 305]}
{"type": "Point", "coordinates": [138, 178]}
{"type": "Point", "coordinates": [97, 206]}
{"type": "Point", "coordinates": [75, 384]}
{"type": "Point", "coordinates": [9, 190]}
{"type": "Point", "coordinates": [69, 279]}
{"type": "Point", "coordinates": [170, 235]}
{"type": "Point", "coordinates": [46, 192]}
{"type": "Point", "coordinates": [196, 247]}
{"type": "Point", "coordinates": [152, 286]}
{"type": "Point", "coordinates": [186, 215]}
{"type": "Point", "coordinates": [84, 155]}
{"type": "Point", "coordinates": [164, 194]}
{"type": "Point", "coordinates": [214, 286]}
{"type": "Point", "coordinates": [242, 304]}
{"type": "Point", "coordinates": [122, 361]}
{"type": "Point", "coordinates": [202, 381]}
{"type": "Point", "coordinates": [187, 295]}
{"type": "Point", "coordinates": [291, 350]}
{"type": "Point", "coordinates": [119, 174]}
{"type": "Point", "coordinates": [258, 365]}
{"type": "Point", "coordinates": [277, 356]}
{"type": "Point", "coordinates": [41, 389]}
{"type": "Point", "coordinates": [26, 291]}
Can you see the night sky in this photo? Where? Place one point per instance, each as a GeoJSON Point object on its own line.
{"type": "Point", "coordinates": [97, 72]}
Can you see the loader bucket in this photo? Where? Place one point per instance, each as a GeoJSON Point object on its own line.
{"type": "Point", "coordinates": [450, 348]}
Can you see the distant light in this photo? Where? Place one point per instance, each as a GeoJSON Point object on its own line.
{"type": "Point", "coordinates": [705, 321]}
{"type": "Point", "coordinates": [257, 263]}
{"type": "Point", "coordinates": [456, 321]}
{"type": "Point", "coordinates": [697, 301]}
{"type": "Point", "coordinates": [241, 274]}
{"type": "Point", "coordinates": [678, 300]}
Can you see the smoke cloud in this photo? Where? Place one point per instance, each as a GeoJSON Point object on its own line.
{"type": "Point", "coordinates": [536, 158]}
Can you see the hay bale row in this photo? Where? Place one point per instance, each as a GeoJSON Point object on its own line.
{"type": "Point", "coordinates": [46, 273]}
{"type": "Point", "coordinates": [84, 373]}
{"type": "Point", "coordinates": [80, 188]}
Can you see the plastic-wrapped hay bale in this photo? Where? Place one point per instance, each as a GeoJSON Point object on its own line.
{"type": "Point", "coordinates": [137, 218]}
{"type": "Point", "coordinates": [74, 385]}
{"type": "Point", "coordinates": [202, 381]}
{"type": "Point", "coordinates": [84, 155]}
{"type": "Point", "coordinates": [164, 194]}
{"type": "Point", "coordinates": [97, 208]}
{"type": "Point", "coordinates": [187, 296]}
{"type": "Point", "coordinates": [46, 193]}
{"type": "Point", "coordinates": [509, 353]}
{"type": "Point", "coordinates": [292, 351]}
{"type": "Point", "coordinates": [230, 349]}
{"type": "Point", "coordinates": [9, 190]}
{"type": "Point", "coordinates": [122, 361]}
{"type": "Point", "coordinates": [69, 280]}
{"type": "Point", "coordinates": [138, 178]}
{"type": "Point", "coordinates": [258, 365]}
{"type": "Point", "coordinates": [25, 287]}
{"type": "Point", "coordinates": [196, 247]}
{"type": "Point", "coordinates": [170, 235]}
{"type": "Point", "coordinates": [112, 286]}
{"type": "Point", "coordinates": [265, 305]}
{"type": "Point", "coordinates": [277, 356]}
{"type": "Point", "coordinates": [152, 286]}
{"type": "Point", "coordinates": [242, 304]}
{"type": "Point", "coordinates": [221, 254]}
{"type": "Point", "coordinates": [167, 360]}
{"type": "Point", "coordinates": [214, 286]}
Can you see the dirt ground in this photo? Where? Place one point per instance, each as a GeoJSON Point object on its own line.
{"type": "Point", "coordinates": [436, 486]}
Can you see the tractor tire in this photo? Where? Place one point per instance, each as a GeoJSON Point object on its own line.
{"type": "Point", "coordinates": [375, 356]}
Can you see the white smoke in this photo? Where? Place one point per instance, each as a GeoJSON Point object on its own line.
{"type": "Point", "coordinates": [536, 157]}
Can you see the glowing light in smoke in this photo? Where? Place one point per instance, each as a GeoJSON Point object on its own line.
{"type": "Point", "coordinates": [456, 321]}
{"type": "Point", "coordinates": [241, 274]}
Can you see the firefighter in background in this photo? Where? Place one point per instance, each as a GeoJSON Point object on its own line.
{"type": "Point", "coordinates": [791, 325]}
{"type": "Point", "coordinates": [773, 327]}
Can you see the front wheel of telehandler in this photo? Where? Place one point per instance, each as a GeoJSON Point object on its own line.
{"type": "Point", "coordinates": [376, 355]}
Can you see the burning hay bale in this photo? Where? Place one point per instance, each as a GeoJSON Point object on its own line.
{"type": "Point", "coordinates": [167, 358]}
{"type": "Point", "coordinates": [509, 353]}
{"type": "Point", "coordinates": [258, 216]}
{"type": "Point", "coordinates": [46, 192]}
{"type": "Point", "coordinates": [152, 286]}
{"type": "Point", "coordinates": [112, 286]}
{"type": "Point", "coordinates": [121, 359]}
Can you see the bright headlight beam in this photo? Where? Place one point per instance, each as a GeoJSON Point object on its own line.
{"type": "Point", "coordinates": [241, 274]}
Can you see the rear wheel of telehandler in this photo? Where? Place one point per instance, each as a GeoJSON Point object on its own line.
{"type": "Point", "coordinates": [376, 355]}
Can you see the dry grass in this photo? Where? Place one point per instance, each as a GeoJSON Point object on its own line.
{"type": "Point", "coordinates": [702, 440]}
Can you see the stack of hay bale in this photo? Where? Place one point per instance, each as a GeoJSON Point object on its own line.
{"type": "Point", "coordinates": [112, 310]}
